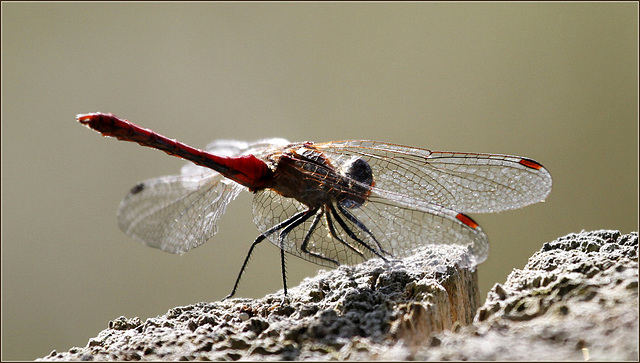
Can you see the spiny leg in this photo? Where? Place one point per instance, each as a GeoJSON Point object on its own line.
{"type": "Point", "coordinates": [307, 237]}
{"type": "Point", "coordinates": [284, 272]}
{"type": "Point", "coordinates": [361, 225]}
{"type": "Point", "coordinates": [351, 234]}
{"type": "Point", "coordinates": [293, 222]}
{"type": "Point", "coordinates": [259, 239]}
{"type": "Point", "coordinates": [335, 235]}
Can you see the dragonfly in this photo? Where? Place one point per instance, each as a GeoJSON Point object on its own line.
{"type": "Point", "coordinates": [332, 203]}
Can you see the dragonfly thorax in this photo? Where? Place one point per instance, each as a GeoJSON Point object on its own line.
{"type": "Point", "coordinates": [307, 175]}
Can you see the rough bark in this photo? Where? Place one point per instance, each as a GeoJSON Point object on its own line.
{"type": "Point", "coordinates": [576, 298]}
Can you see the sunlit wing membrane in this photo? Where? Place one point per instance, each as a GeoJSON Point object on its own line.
{"type": "Point", "coordinates": [258, 148]}
{"type": "Point", "coordinates": [176, 213]}
{"type": "Point", "coordinates": [391, 230]}
{"type": "Point", "coordinates": [466, 182]}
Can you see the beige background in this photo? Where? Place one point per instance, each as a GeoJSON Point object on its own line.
{"type": "Point", "coordinates": [556, 82]}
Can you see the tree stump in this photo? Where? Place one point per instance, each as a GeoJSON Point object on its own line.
{"type": "Point", "coordinates": [576, 298]}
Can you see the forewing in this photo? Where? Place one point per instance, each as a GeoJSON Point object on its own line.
{"type": "Point", "coordinates": [176, 213]}
{"type": "Point", "coordinates": [465, 182]}
{"type": "Point", "coordinates": [382, 227]}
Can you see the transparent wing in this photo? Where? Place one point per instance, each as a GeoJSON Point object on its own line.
{"type": "Point", "coordinates": [258, 148]}
{"type": "Point", "coordinates": [382, 227]}
{"type": "Point", "coordinates": [224, 147]}
{"type": "Point", "coordinates": [176, 213]}
{"type": "Point", "coordinates": [466, 182]}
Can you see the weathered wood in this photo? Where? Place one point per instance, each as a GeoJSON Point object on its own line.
{"type": "Point", "coordinates": [329, 315]}
{"type": "Point", "coordinates": [576, 298]}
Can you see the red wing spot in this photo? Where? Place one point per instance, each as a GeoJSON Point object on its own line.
{"type": "Point", "coordinates": [467, 220]}
{"type": "Point", "coordinates": [530, 164]}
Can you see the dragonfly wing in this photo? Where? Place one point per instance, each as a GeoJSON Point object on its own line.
{"type": "Point", "coordinates": [466, 182]}
{"type": "Point", "coordinates": [176, 213]}
{"type": "Point", "coordinates": [258, 148]}
{"type": "Point", "coordinates": [382, 227]}
{"type": "Point", "coordinates": [223, 147]}
{"type": "Point", "coordinates": [406, 226]}
{"type": "Point", "coordinates": [271, 209]}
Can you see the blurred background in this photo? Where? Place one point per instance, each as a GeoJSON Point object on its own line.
{"type": "Point", "coordinates": [556, 82]}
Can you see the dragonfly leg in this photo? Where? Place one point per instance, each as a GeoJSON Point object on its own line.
{"type": "Point", "coordinates": [284, 269]}
{"type": "Point", "coordinates": [361, 225]}
{"type": "Point", "coordinates": [334, 234]}
{"type": "Point", "coordinates": [353, 235]}
{"type": "Point", "coordinates": [260, 238]}
{"type": "Point", "coordinates": [307, 237]}
{"type": "Point", "coordinates": [287, 226]}
{"type": "Point", "coordinates": [244, 264]}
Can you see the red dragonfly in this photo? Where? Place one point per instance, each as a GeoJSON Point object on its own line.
{"type": "Point", "coordinates": [340, 202]}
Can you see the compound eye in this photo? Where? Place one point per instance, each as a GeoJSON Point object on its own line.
{"type": "Point", "coordinates": [355, 194]}
{"type": "Point", "coordinates": [359, 170]}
